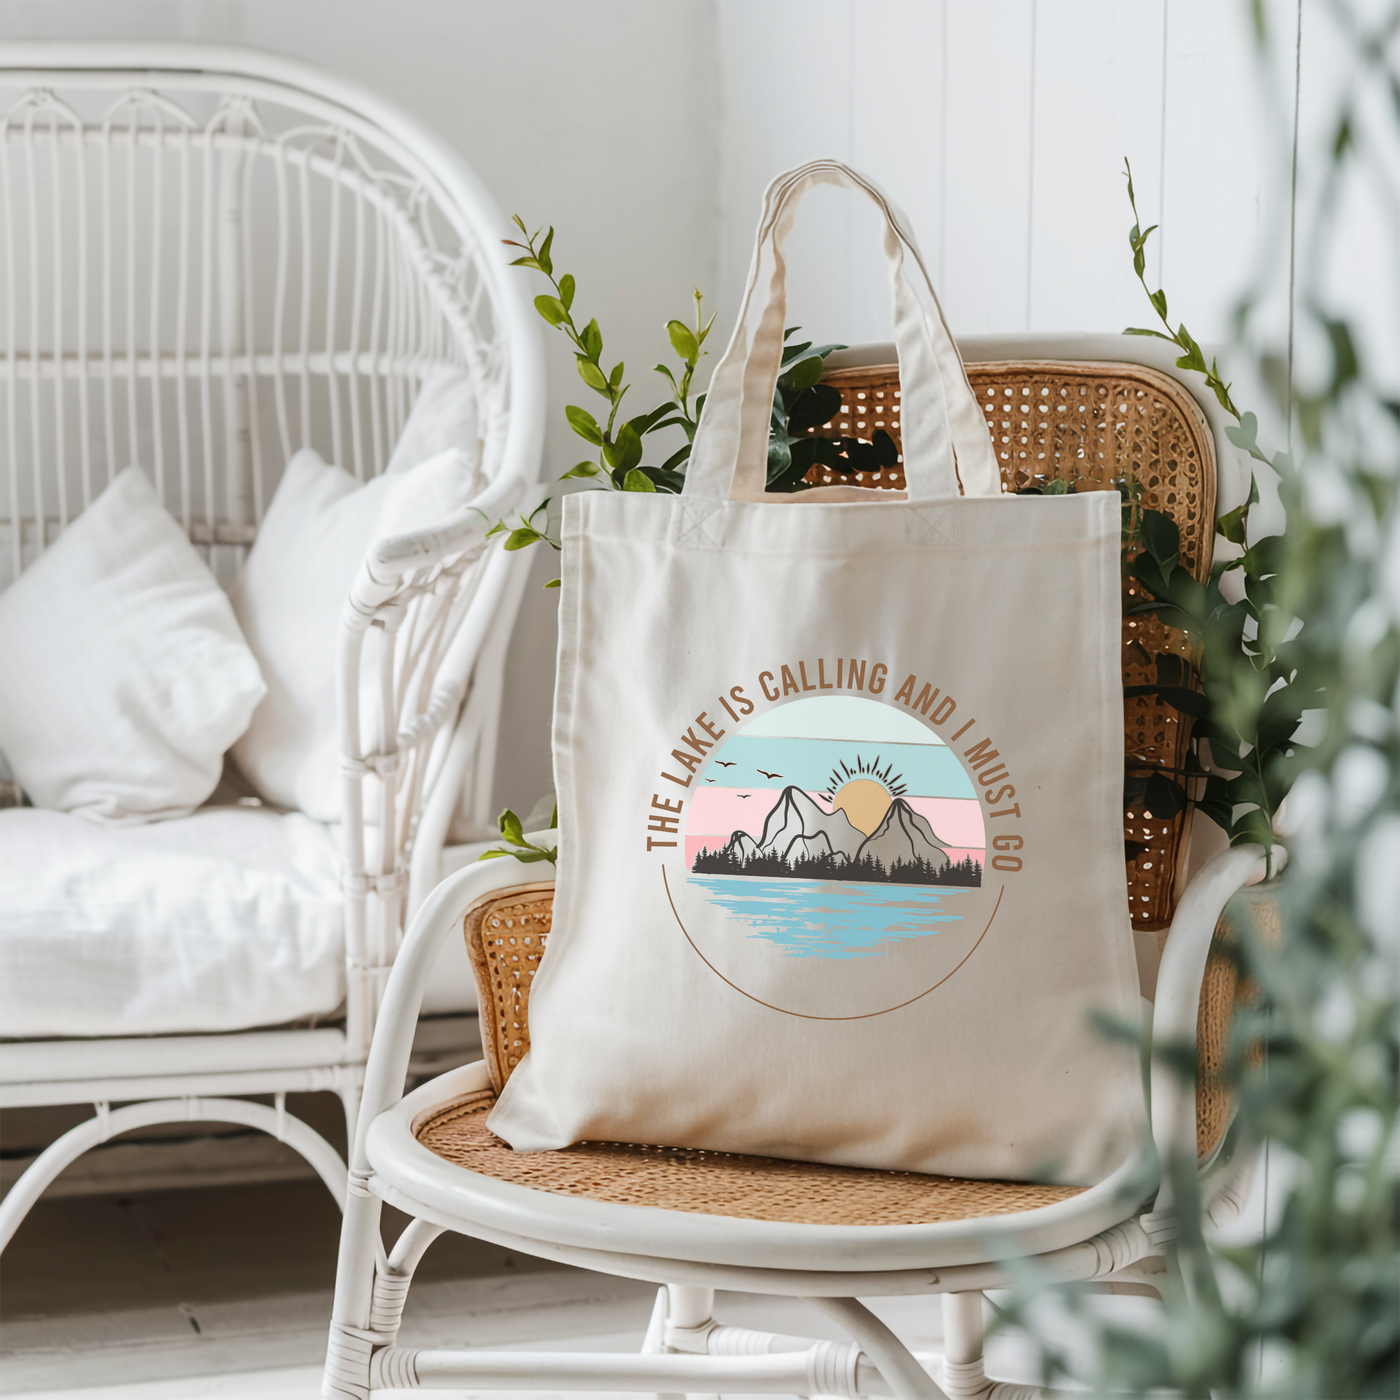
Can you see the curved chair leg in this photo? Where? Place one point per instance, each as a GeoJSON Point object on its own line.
{"type": "Point", "coordinates": [391, 1281]}
{"type": "Point", "coordinates": [963, 1371]}
{"type": "Point", "coordinates": [109, 1122]}
{"type": "Point", "coordinates": [895, 1361]}
{"type": "Point", "coordinates": [354, 1335]}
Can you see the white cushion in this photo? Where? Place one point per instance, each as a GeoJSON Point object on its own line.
{"type": "Point", "coordinates": [290, 597]}
{"type": "Point", "coordinates": [125, 677]}
{"type": "Point", "coordinates": [223, 920]}
{"type": "Point", "coordinates": [443, 417]}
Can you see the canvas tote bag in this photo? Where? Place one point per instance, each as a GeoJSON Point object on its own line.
{"type": "Point", "coordinates": [840, 867]}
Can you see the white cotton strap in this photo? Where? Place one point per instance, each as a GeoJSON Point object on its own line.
{"type": "Point", "coordinates": [729, 458]}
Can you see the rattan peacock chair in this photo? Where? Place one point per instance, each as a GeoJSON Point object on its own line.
{"type": "Point", "coordinates": [696, 1220]}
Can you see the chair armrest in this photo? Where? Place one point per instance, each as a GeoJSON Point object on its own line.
{"type": "Point", "coordinates": [1177, 1007]}
{"type": "Point", "coordinates": [439, 918]}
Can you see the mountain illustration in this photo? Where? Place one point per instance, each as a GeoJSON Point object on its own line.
{"type": "Point", "coordinates": [795, 816]}
{"type": "Point", "coordinates": [904, 836]}
{"type": "Point", "coordinates": [801, 841]}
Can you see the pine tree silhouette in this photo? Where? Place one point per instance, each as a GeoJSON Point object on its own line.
{"type": "Point", "coordinates": [966, 872]}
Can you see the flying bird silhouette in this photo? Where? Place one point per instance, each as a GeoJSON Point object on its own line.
{"type": "Point", "coordinates": [709, 780]}
{"type": "Point", "coordinates": [743, 795]}
{"type": "Point", "coordinates": [767, 774]}
{"type": "Point", "coordinates": [722, 764]}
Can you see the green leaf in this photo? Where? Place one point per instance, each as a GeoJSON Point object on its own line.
{"type": "Point", "coordinates": [813, 408]}
{"type": "Point", "coordinates": [510, 828]}
{"type": "Point", "coordinates": [592, 339]}
{"type": "Point", "coordinates": [1162, 797]}
{"type": "Point", "coordinates": [802, 375]}
{"type": "Point", "coordinates": [1193, 358]}
{"type": "Point", "coordinates": [1140, 330]}
{"type": "Point", "coordinates": [498, 528]}
{"type": "Point", "coordinates": [545, 264]}
{"type": "Point", "coordinates": [591, 375]}
{"type": "Point", "coordinates": [1245, 435]}
{"type": "Point", "coordinates": [566, 290]}
{"type": "Point", "coordinates": [683, 341]}
{"type": "Point", "coordinates": [582, 469]}
{"type": "Point", "coordinates": [518, 539]}
{"type": "Point", "coordinates": [779, 460]}
{"type": "Point", "coordinates": [493, 854]}
{"type": "Point", "coordinates": [624, 454]}
{"type": "Point", "coordinates": [667, 482]}
{"type": "Point", "coordinates": [584, 424]}
{"type": "Point", "coordinates": [636, 480]}
{"type": "Point", "coordinates": [615, 378]}
{"type": "Point", "coordinates": [528, 262]}
{"type": "Point", "coordinates": [676, 461]}
{"type": "Point", "coordinates": [554, 583]}
{"type": "Point", "coordinates": [1189, 702]}
{"type": "Point", "coordinates": [552, 309]}
{"type": "Point", "coordinates": [671, 379]}
{"type": "Point", "coordinates": [647, 422]}
{"type": "Point", "coordinates": [1159, 301]}
{"type": "Point", "coordinates": [1232, 523]}
{"type": "Point", "coordinates": [1162, 538]}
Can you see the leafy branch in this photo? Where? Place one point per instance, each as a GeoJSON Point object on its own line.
{"type": "Point", "coordinates": [801, 404]}
{"type": "Point", "coordinates": [523, 850]}
{"type": "Point", "coordinates": [620, 444]}
{"type": "Point", "coordinates": [1192, 357]}
{"type": "Point", "coordinates": [1243, 684]}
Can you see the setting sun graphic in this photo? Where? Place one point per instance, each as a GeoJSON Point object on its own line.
{"type": "Point", "coordinates": [863, 793]}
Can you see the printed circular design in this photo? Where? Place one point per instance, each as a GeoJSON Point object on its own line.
{"type": "Point", "coordinates": [833, 860]}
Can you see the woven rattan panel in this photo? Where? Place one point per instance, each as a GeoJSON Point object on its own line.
{"type": "Point", "coordinates": [718, 1183]}
{"type": "Point", "coordinates": [1088, 424]}
{"type": "Point", "coordinates": [1222, 990]}
{"type": "Point", "coordinates": [505, 937]}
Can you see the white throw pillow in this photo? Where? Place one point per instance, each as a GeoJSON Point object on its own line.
{"type": "Point", "coordinates": [289, 599]}
{"type": "Point", "coordinates": [124, 677]}
{"type": "Point", "coordinates": [443, 417]}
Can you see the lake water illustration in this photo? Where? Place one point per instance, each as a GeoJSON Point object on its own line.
{"type": "Point", "coordinates": [833, 919]}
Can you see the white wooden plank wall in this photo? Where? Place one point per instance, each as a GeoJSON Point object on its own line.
{"type": "Point", "coordinates": [1001, 127]}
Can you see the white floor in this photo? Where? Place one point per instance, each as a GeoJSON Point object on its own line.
{"type": "Point", "coordinates": [565, 1310]}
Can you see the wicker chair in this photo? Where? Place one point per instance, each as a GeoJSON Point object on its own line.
{"type": "Point", "coordinates": [695, 1220]}
{"type": "Point", "coordinates": [215, 257]}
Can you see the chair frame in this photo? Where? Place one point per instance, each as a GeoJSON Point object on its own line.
{"type": "Point", "coordinates": [415, 279]}
{"type": "Point", "coordinates": [1106, 1234]}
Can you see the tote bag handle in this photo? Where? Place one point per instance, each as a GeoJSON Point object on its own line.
{"type": "Point", "coordinates": [940, 416]}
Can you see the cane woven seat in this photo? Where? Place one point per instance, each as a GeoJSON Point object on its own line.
{"type": "Point", "coordinates": [722, 1183]}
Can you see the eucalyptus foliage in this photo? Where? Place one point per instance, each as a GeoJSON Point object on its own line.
{"type": "Point", "coordinates": [1307, 1305]}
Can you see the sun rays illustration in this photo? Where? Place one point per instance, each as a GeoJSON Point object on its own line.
{"type": "Point", "coordinates": [892, 782]}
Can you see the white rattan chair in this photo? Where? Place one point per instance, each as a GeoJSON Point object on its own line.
{"type": "Point", "coordinates": [212, 257]}
{"type": "Point", "coordinates": [697, 1221]}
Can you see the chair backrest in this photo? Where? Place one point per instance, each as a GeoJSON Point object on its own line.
{"type": "Point", "coordinates": [212, 257]}
{"type": "Point", "coordinates": [1090, 425]}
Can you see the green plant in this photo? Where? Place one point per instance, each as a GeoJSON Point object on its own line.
{"type": "Point", "coordinates": [800, 404]}
{"type": "Point", "coordinates": [1309, 1307]}
{"type": "Point", "coordinates": [1244, 718]}
{"type": "Point", "coordinates": [512, 832]}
